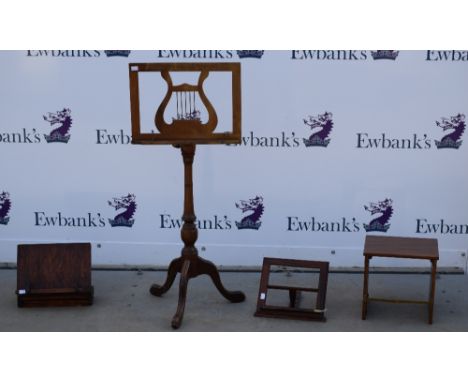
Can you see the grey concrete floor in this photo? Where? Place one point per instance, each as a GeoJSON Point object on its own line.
{"type": "Point", "coordinates": [123, 303]}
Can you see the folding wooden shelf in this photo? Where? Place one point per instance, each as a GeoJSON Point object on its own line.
{"type": "Point", "coordinates": [293, 311]}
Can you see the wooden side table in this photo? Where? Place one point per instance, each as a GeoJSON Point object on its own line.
{"type": "Point", "coordinates": [403, 248]}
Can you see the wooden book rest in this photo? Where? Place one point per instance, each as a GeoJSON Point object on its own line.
{"type": "Point", "coordinates": [54, 275]}
{"type": "Point", "coordinates": [293, 311]}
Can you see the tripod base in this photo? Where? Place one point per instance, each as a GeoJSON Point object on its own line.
{"type": "Point", "coordinates": [190, 268]}
{"type": "Point", "coordinates": [189, 264]}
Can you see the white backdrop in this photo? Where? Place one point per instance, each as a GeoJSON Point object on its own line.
{"type": "Point", "coordinates": [387, 115]}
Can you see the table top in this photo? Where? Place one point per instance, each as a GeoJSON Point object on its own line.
{"type": "Point", "coordinates": [402, 247]}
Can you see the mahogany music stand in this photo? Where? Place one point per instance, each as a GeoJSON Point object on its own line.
{"type": "Point", "coordinates": [184, 132]}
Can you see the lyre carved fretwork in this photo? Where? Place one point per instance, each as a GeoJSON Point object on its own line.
{"type": "Point", "coordinates": [187, 120]}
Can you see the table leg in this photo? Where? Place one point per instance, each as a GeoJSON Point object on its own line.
{"type": "Point", "coordinates": [432, 289]}
{"type": "Point", "coordinates": [365, 293]}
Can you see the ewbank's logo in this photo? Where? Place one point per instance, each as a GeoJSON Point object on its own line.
{"type": "Point", "coordinates": [329, 55]}
{"type": "Point", "coordinates": [62, 133]}
{"type": "Point", "coordinates": [124, 219]}
{"type": "Point", "coordinates": [117, 53]}
{"type": "Point", "coordinates": [447, 55]}
{"type": "Point", "coordinates": [380, 223]}
{"type": "Point", "coordinates": [64, 53]}
{"type": "Point", "coordinates": [321, 127]}
{"type": "Point", "coordinates": [196, 54]}
{"type": "Point", "coordinates": [255, 208]}
{"type": "Point", "coordinates": [384, 54]}
{"type": "Point", "coordinates": [250, 53]}
{"type": "Point", "coordinates": [5, 205]}
{"type": "Point", "coordinates": [457, 126]}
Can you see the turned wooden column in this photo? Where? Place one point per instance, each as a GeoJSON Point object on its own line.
{"type": "Point", "coordinates": [189, 232]}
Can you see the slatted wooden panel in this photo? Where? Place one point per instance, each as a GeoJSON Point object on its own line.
{"type": "Point", "coordinates": [54, 274]}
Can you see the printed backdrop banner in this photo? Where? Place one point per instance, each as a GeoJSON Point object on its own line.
{"type": "Point", "coordinates": [336, 145]}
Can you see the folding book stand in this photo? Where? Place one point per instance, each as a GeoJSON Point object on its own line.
{"type": "Point", "coordinates": [54, 275]}
{"type": "Point", "coordinates": [185, 131]}
{"type": "Point", "coordinates": [293, 311]}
